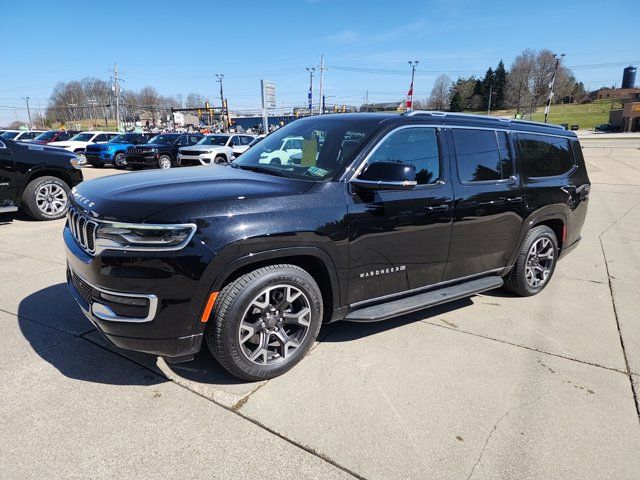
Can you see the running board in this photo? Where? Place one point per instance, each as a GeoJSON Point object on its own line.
{"type": "Point", "coordinates": [8, 208]}
{"type": "Point", "coordinates": [383, 311]}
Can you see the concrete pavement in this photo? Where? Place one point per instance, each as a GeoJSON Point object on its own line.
{"type": "Point", "coordinates": [494, 386]}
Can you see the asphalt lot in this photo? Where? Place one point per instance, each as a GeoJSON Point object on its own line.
{"type": "Point", "coordinates": [490, 387]}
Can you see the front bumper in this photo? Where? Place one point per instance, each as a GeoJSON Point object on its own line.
{"type": "Point", "coordinates": [187, 160]}
{"type": "Point", "coordinates": [141, 160]}
{"type": "Point", "coordinates": [167, 323]}
{"type": "Point", "coordinates": [102, 156]}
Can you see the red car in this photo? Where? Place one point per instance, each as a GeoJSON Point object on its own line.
{"type": "Point", "coordinates": [53, 136]}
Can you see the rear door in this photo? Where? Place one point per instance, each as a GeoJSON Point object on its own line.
{"type": "Point", "coordinates": [490, 203]}
{"type": "Point", "coordinates": [8, 187]}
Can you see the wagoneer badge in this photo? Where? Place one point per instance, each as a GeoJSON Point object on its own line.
{"type": "Point", "coordinates": [383, 271]}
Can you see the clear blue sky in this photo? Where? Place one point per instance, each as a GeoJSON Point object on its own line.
{"type": "Point", "coordinates": [177, 47]}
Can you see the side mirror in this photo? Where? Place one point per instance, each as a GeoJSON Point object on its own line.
{"type": "Point", "coordinates": [386, 176]}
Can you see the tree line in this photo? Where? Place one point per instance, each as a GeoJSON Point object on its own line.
{"type": "Point", "coordinates": [524, 86]}
{"type": "Point", "coordinates": [94, 99]}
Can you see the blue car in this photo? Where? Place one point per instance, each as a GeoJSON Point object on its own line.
{"type": "Point", "coordinates": [113, 152]}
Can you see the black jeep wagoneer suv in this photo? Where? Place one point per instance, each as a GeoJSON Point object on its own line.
{"type": "Point", "coordinates": [376, 215]}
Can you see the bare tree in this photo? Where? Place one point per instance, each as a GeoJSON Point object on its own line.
{"type": "Point", "coordinates": [441, 93]}
{"type": "Point", "coordinates": [194, 100]}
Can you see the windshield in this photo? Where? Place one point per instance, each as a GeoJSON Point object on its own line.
{"type": "Point", "coordinates": [122, 139]}
{"type": "Point", "coordinates": [46, 136]}
{"type": "Point", "coordinates": [214, 140]}
{"type": "Point", "coordinates": [310, 148]}
{"type": "Point", "coordinates": [9, 135]}
{"type": "Point", "coordinates": [163, 139]}
{"type": "Point", "coordinates": [82, 137]}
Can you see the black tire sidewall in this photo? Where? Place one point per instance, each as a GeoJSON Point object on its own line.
{"type": "Point", "coordinates": [220, 160]}
{"type": "Point", "coordinates": [29, 197]}
{"type": "Point", "coordinates": [536, 234]}
{"type": "Point", "coordinates": [170, 161]}
{"type": "Point", "coordinates": [115, 160]}
{"type": "Point", "coordinates": [234, 357]}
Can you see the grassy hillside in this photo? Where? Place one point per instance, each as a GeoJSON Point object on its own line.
{"type": "Point", "coordinates": [587, 115]}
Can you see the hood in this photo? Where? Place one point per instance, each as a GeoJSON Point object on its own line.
{"type": "Point", "coordinates": [202, 148]}
{"type": "Point", "coordinates": [98, 147]}
{"type": "Point", "coordinates": [133, 197]}
{"type": "Point", "coordinates": [154, 145]}
{"type": "Point", "coordinates": [66, 144]}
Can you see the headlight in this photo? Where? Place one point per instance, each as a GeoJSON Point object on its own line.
{"type": "Point", "coordinates": [127, 236]}
{"type": "Point", "coordinates": [154, 150]}
{"type": "Point", "coordinates": [75, 162]}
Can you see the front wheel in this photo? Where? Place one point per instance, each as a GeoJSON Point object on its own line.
{"type": "Point", "coordinates": [265, 322]}
{"type": "Point", "coordinates": [536, 262]}
{"type": "Point", "coordinates": [46, 198]}
{"type": "Point", "coordinates": [164, 162]}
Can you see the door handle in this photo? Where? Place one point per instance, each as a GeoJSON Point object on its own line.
{"type": "Point", "coordinates": [512, 199]}
{"type": "Point", "coordinates": [437, 208]}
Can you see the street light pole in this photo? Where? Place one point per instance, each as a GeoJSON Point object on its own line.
{"type": "Point", "coordinates": [412, 64]}
{"type": "Point", "coordinates": [311, 70]}
{"type": "Point", "coordinates": [26, 99]}
{"type": "Point", "coordinates": [547, 108]}
{"type": "Point", "coordinates": [220, 77]}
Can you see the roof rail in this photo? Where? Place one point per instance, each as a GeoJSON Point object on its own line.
{"type": "Point", "coordinates": [435, 113]}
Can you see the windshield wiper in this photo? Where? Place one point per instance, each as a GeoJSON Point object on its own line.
{"type": "Point", "coordinates": [259, 169]}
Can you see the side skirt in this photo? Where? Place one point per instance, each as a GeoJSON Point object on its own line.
{"type": "Point", "coordinates": [419, 301]}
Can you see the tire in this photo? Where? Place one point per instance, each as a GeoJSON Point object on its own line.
{"type": "Point", "coordinates": [164, 162]}
{"type": "Point", "coordinates": [120, 161]}
{"type": "Point", "coordinates": [233, 342]}
{"type": "Point", "coordinates": [220, 160]}
{"type": "Point", "coordinates": [82, 158]}
{"type": "Point", "coordinates": [535, 263]}
{"type": "Point", "coordinates": [46, 198]}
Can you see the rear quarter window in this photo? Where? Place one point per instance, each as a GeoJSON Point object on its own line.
{"type": "Point", "coordinates": [545, 156]}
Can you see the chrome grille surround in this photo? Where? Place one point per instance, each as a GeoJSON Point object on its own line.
{"type": "Point", "coordinates": [83, 229]}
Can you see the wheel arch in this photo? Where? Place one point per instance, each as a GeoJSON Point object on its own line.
{"type": "Point", "coordinates": [551, 216]}
{"type": "Point", "coordinates": [311, 259]}
{"type": "Point", "coordinates": [46, 172]}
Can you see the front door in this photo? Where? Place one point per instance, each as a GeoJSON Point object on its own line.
{"type": "Point", "coordinates": [8, 187]}
{"type": "Point", "coordinates": [399, 239]}
{"type": "Point", "coordinates": [490, 202]}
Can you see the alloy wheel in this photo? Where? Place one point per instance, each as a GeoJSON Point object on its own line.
{"type": "Point", "coordinates": [539, 262]}
{"type": "Point", "coordinates": [164, 162]}
{"type": "Point", "coordinates": [51, 199]}
{"type": "Point", "coordinates": [120, 160]}
{"type": "Point", "coordinates": [274, 325]}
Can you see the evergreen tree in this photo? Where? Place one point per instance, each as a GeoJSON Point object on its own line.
{"type": "Point", "coordinates": [487, 82]}
{"type": "Point", "coordinates": [500, 85]}
{"type": "Point", "coordinates": [456, 104]}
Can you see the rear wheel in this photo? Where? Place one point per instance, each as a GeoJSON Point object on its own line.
{"type": "Point", "coordinates": [46, 198]}
{"type": "Point", "coordinates": [164, 162]}
{"type": "Point", "coordinates": [120, 161]}
{"type": "Point", "coordinates": [536, 262]}
{"type": "Point", "coordinates": [265, 322]}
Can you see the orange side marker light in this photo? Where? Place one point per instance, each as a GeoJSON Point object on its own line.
{"type": "Point", "coordinates": [209, 307]}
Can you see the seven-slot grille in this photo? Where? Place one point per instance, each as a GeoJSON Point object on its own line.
{"type": "Point", "coordinates": [83, 230]}
{"type": "Point", "coordinates": [136, 150]}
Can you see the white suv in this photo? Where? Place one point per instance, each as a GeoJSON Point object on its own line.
{"type": "Point", "coordinates": [216, 148]}
{"type": "Point", "coordinates": [79, 142]}
{"type": "Point", "coordinates": [21, 135]}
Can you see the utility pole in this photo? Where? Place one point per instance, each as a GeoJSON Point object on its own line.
{"type": "Point", "coordinates": [116, 90]}
{"type": "Point", "coordinates": [26, 99]}
{"type": "Point", "coordinates": [490, 95]}
{"type": "Point", "coordinates": [311, 70]}
{"type": "Point", "coordinates": [547, 108]}
{"type": "Point", "coordinates": [413, 64]}
{"type": "Point", "coordinates": [220, 77]}
{"type": "Point", "coordinates": [42, 116]}
{"type": "Point", "coordinates": [321, 78]}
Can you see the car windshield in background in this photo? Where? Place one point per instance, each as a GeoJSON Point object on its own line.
{"type": "Point", "coordinates": [310, 149]}
{"type": "Point", "coordinates": [46, 136]}
{"type": "Point", "coordinates": [9, 135]}
{"type": "Point", "coordinates": [214, 140]}
{"type": "Point", "coordinates": [82, 137]}
{"type": "Point", "coordinates": [123, 139]}
{"type": "Point", "coordinates": [163, 139]}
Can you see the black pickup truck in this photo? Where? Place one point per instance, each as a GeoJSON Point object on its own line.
{"type": "Point", "coordinates": [376, 215]}
{"type": "Point", "coordinates": [37, 179]}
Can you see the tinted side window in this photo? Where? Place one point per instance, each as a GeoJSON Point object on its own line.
{"type": "Point", "coordinates": [101, 138]}
{"type": "Point", "coordinates": [415, 146]}
{"type": "Point", "coordinates": [545, 156]}
{"type": "Point", "coordinates": [478, 156]}
{"type": "Point", "coordinates": [506, 157]}
{"type": "Point", "coordinates": [194, 139]}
